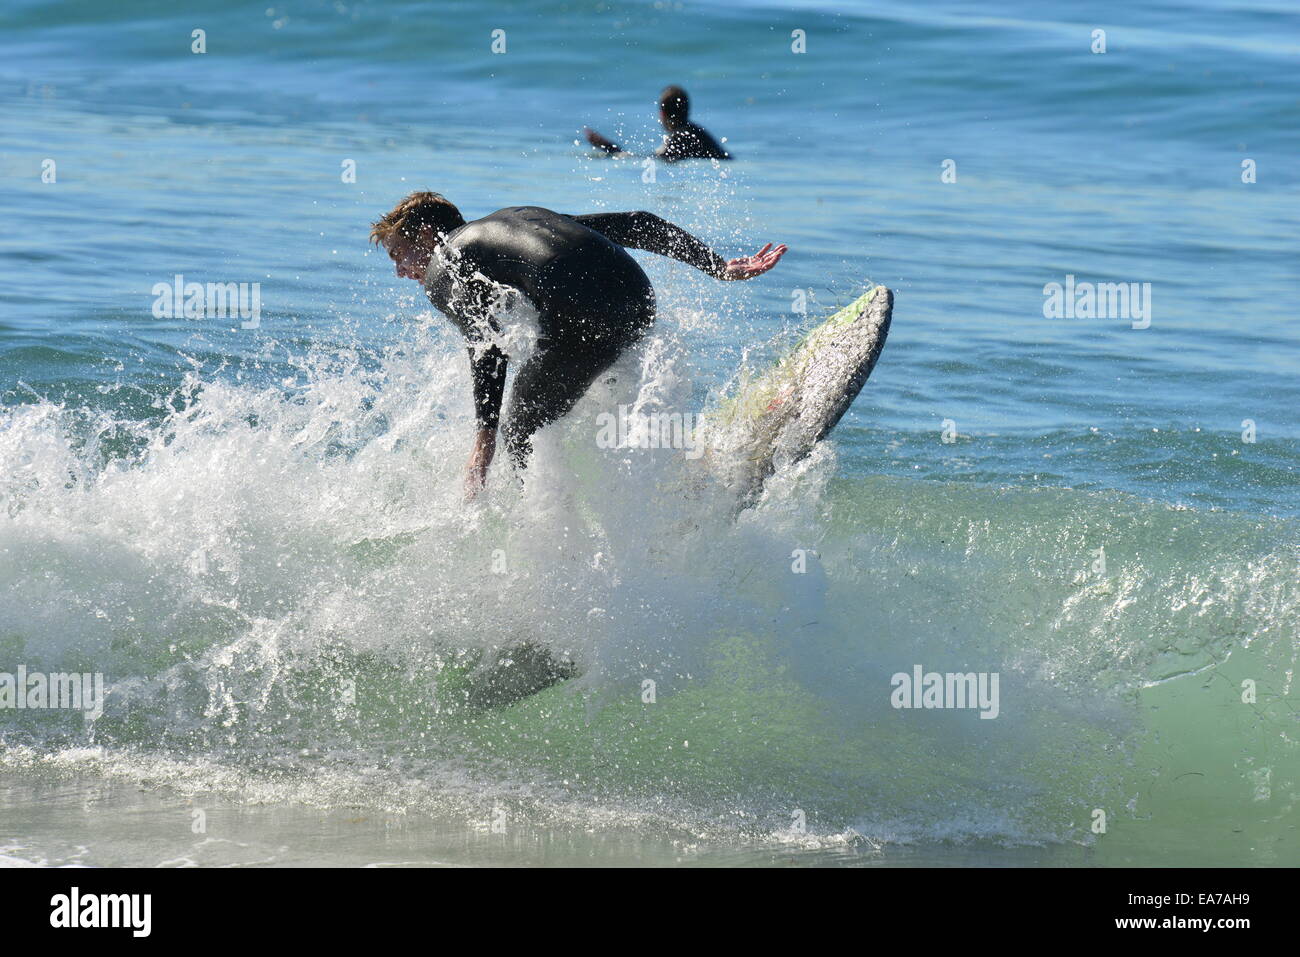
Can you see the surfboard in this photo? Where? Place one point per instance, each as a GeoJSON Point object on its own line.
{"type": "Point", "coordinates": [775, 419]}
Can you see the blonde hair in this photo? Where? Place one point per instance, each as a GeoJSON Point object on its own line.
{"type": "Point", "coordinates": [412, 214]}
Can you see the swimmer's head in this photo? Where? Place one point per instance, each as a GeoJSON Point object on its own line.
{"type": "Point", "coordinates": [674, 106]}
{"type": "Point", "coordinates": [412, 230]}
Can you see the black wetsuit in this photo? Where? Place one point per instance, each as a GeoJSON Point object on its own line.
{"type": "Point", "coordinates": [592, 298]}
{"type": "Point", "coordinates": [690, 141]}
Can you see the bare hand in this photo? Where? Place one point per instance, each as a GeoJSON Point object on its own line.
{"type": "Point", "coordinates": [747, 267]}
{"type": "Point", "coordinates": [480, 457]}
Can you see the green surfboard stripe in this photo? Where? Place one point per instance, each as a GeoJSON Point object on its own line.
{"type": "Point", "coordinates": [752, 398]}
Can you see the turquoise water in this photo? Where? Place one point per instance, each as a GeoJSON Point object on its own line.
{"type": "Point", "coordinates": [232, 524]}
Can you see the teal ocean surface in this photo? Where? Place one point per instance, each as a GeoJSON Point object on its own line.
{"type": "Point", "coordinates": [252, 527]}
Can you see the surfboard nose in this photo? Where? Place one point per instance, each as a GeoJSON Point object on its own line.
{"type": "Point", "coordinates": [778, 417]}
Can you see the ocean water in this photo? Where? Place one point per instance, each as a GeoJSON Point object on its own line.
{"type": "Point", "coordinates": [255, 534]}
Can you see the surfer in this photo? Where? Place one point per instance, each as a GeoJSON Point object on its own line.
{"type": "Point", "coordinates": [592, 299]}
{"type": "Point", "coordinates": [684, 139]}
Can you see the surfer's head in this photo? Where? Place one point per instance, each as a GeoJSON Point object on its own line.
{"type": "Point", "coordinates": [412, 230]}
{"type": "Point", "coordinates": [674, 106]}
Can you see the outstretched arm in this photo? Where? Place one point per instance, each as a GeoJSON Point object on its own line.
{"type": "Point", "coordinates": [600, 142]}
{"type": "Point", "coordinates": [642, 230]}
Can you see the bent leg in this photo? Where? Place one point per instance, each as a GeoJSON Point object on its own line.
{"type": "Point", "coordinates": [593, 311]}
{"type": "Point", "coordinates": [546, 388]}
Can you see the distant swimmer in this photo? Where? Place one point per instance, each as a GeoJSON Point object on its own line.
{"type": "Point", "coordinates": [684, 139]}
{"type": "Point", "coordinates": [593, 300]}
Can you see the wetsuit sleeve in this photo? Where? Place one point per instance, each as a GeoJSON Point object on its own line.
{"type": "Point", "coordinates": [466, 301]}
{"type": "Point", "coordinates": [472, 314]}
{"type": "Point", "coordinates": [642, 230]}
{"type": "Point", "coordinates": [602, 143]}
{"type": "Point", "coordinates": [691, 142]}
{"type": "Point", "coordinates": [488, 370]}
